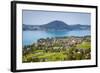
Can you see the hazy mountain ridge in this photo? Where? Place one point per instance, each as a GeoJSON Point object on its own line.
{"type": "Point", "coordinates": [56, 25]}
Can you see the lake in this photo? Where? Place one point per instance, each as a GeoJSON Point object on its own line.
{"type": "Point", "coordinates": [30, 37]}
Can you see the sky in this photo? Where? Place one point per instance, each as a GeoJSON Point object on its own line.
{"type": "Point", "coordinates": [34, 17]}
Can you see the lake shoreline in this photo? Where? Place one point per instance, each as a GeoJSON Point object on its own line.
{"type": "Point", "coordinates": [58, 37]}
{"type": "Point", "coordinates": [30, 37]}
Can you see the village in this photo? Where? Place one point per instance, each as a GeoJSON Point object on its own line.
{"type": "Point", "coordinates": [59, 42]}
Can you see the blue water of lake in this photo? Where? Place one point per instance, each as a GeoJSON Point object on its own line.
{"type": "Point", "coordinates": [30, 37]}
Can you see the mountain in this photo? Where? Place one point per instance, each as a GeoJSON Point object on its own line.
{"type": "Point", "coordinates": [56, 25]}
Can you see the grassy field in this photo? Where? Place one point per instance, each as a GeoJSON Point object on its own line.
{"type": "Point", "coordinates": [58, 51]}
